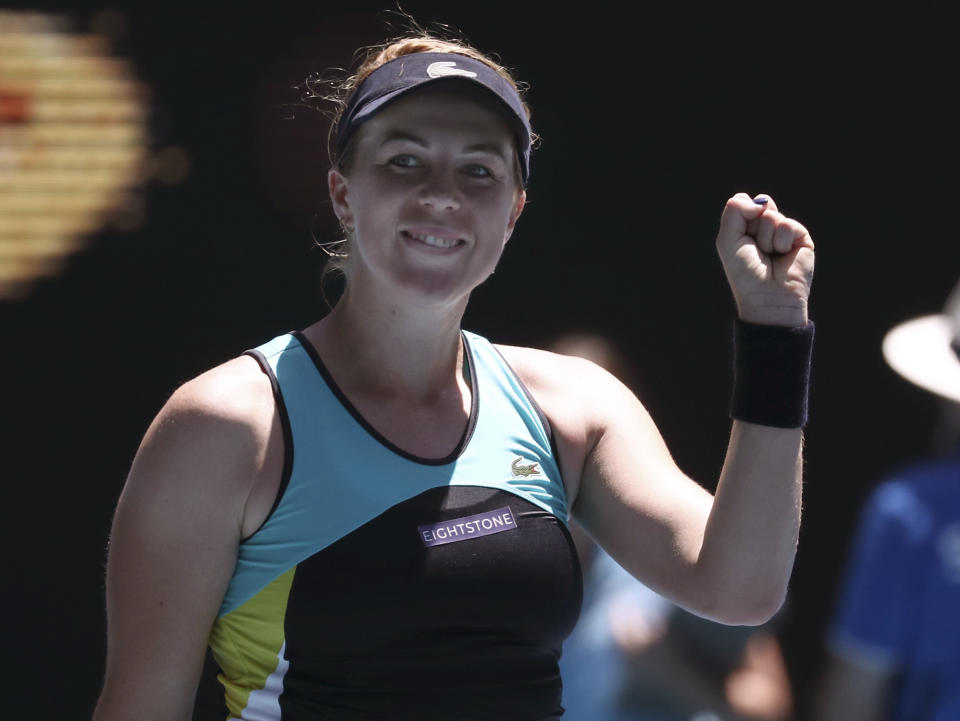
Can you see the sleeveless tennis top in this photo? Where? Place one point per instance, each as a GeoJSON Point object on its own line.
{"type": "Point", "coordinates": [383, 586]}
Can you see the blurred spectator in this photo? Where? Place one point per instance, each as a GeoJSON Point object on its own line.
{"type": "Point", "coordinates": [635, 656]}
{"type": "Point", "coordinates": [893, 646]}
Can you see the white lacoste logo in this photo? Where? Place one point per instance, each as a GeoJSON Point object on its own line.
{"type": "Point", "coordinates": [447, 67]}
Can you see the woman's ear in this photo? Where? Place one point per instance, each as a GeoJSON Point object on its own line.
{"type": "Point", "coordinates": [515, 213]}
{"type": "Point", "coordinates": [337, 187]}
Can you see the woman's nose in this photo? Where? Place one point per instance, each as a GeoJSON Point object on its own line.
{"type": "Point", "coordinates": [439, 191]}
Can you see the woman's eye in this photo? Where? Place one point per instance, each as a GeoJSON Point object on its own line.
{"type": "Point", "coordinates": [404, 161]}
{"type": "Point", "coordinates": [479, 171]}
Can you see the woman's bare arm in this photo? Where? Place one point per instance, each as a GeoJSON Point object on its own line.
{"type": "Point", "coordinates": [174, 539]}
{"type": "Point", "coordinates": [727, 557]}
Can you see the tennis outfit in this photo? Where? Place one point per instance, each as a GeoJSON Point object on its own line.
{"type": "Point", "coordinates": [387, 586]}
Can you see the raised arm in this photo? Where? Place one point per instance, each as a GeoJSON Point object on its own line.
{"type": "Point", "coordinates": [174, 539]}
{"type": "Point", "coordinates": [729, 556]}
{"type": "Point", "coordinates": [751, 535]}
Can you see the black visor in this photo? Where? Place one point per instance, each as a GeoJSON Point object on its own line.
{"type": "Point", "coordinates": [397, 77]}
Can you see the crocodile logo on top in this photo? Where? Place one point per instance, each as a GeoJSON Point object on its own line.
{"type": "Point", "coordinates": [523, 470]}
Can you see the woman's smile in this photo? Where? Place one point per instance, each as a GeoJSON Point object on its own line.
{"type": "Point", "coordinates": [433, 187]}
{"type": "Point", "coordinates": [434, 238]}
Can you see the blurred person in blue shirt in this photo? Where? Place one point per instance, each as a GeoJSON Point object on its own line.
{"type": "Point", "coordinates": [893, 646]}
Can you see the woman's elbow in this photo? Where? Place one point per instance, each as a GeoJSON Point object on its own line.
{"type": "Point", "coordinates": [744, 606]}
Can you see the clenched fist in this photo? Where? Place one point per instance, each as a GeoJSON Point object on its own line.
{"type": "Point", "coordinates": [768, 259]}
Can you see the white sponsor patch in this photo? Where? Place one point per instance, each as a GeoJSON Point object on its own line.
{"type": "Point", "coordinates": [461, 529]}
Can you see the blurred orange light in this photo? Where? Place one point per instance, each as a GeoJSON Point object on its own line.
{"type": "Point", "coordinates": [74, 144]}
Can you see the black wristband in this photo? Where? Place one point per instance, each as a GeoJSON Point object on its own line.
{"type": "Point", "coordinates": [771, 382]}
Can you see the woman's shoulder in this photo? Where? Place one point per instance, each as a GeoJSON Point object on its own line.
{"type": "Point", "coordinates": [204, 452]}
{"type": "Point", "coordinates": [225, 412]}
{"type": "Point", "coordinates": [229, 391]}
{"type": "Point", "coordinates": [551, 372]}
{"type": "Point", "coordinates": [576, 393]}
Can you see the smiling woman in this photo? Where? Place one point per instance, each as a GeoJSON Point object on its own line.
{"type": "Point", "coordinates": [436, 170]}
{"type": "Point", "coordinates": [368, 518]}
{"type": "Point", "coordinates": [387, 72]}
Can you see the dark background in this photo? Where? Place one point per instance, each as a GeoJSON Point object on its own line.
{"type": "Point", "coordinates": [650, 119]}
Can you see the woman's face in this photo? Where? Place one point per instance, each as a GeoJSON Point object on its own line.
{"type": "Point", "coordinates": [431, 195]}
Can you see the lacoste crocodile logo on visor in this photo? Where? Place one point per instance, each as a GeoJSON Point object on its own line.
{"type": "Point", "coordinates": [447, 67]}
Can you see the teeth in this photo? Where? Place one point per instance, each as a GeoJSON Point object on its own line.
{"type": "Point", "coordinates": [435, 241]}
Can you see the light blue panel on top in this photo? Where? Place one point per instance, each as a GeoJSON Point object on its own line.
{"type": "Point", "coordinates": [343, 476]}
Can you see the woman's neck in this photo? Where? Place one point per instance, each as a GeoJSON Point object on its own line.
{"type": "Point", "coordinates": [389, 349]}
